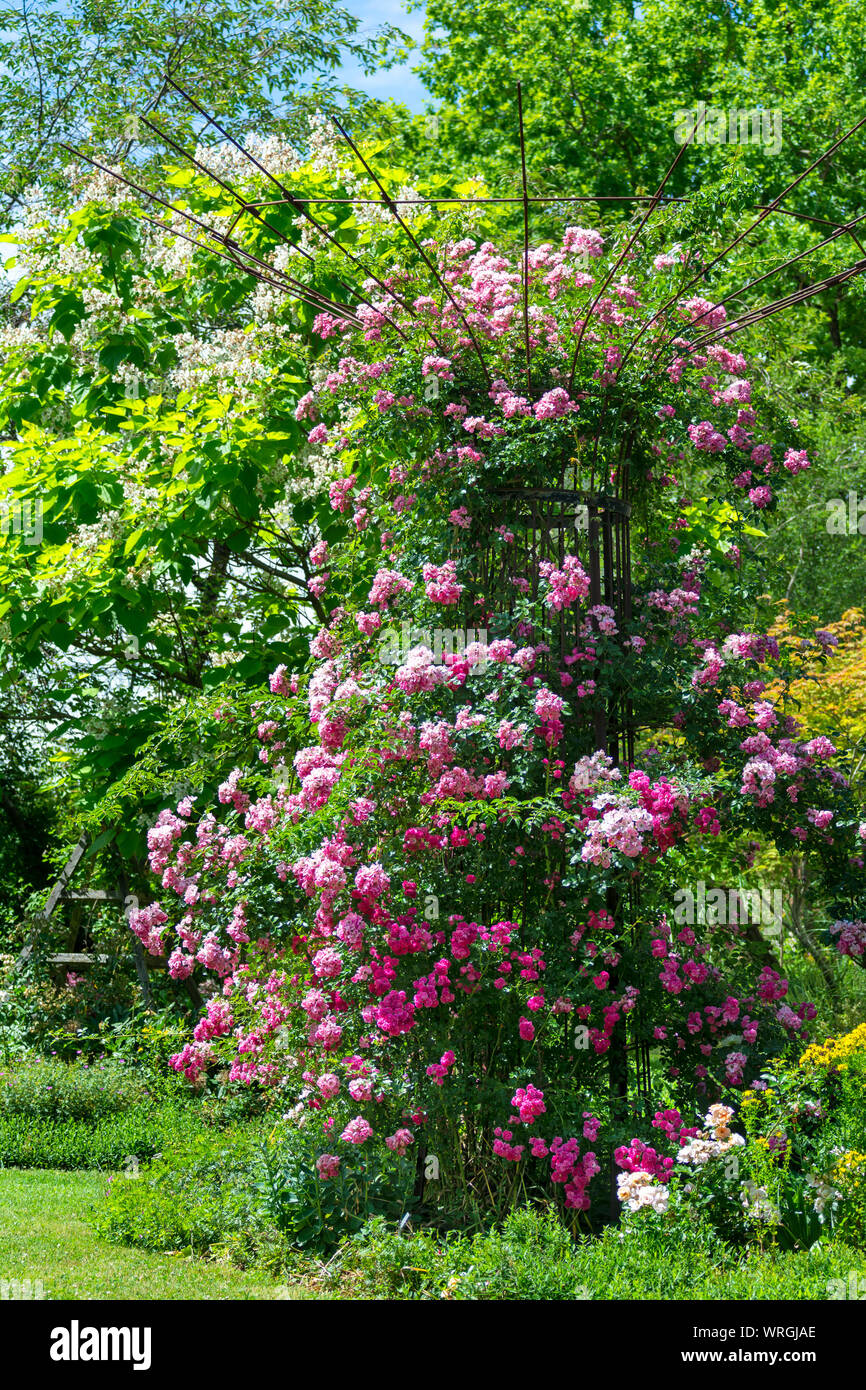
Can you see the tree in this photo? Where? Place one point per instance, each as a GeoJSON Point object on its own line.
{"type": "Point", "coordinates": [603, 85]}
{"type": "Point", "coordinates": [161, 501]}
{"type": "Point", "coordinates": [88, 73]}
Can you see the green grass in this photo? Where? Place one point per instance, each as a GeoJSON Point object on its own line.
{"type": "Point", "coordinates": [46, 1235]}
{"type": "Point", "coordinates": [532, 1257]}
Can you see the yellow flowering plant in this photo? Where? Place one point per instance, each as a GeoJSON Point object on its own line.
{"type": "Point", "coordinates": [804, 1125]}
{"type": "Point", "coordinates": [849, 1176]}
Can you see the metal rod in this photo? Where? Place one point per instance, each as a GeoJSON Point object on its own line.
{"type": "Point", "coordinates": [525, 242]}
{"type": "Point", "coordinates": [547, 199]}
{"type": "Point", "coordinates": [643, 222]}
{"type": "Point", "coordinates": [418, 247]}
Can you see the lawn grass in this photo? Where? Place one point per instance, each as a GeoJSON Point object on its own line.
{"type": "Point", "coordinates": [45, 1235]}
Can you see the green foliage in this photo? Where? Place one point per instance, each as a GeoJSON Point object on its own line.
{"type": "Point", "coordinates": [818, 555]}
{"type": "Point", "coordinates": [26, 820]}
{"type": "Point", "coordinates": [839, 1009]}
{"type": "Point", "coordinates": [189, 754]}
{"type": "Point", "coordinates": [174, 570]}
{"type": "Point", "coordinates": [56, 1010]}
{"type": "Point", "coordinates": [108, 1114]}
{"type": "Point", "coordinates": [51, 1090]}
{"type": "Point", "coordinates": [531, 1256]}
{"type": "Point", "coordinates": [653, 1260]}
{"type": "Point", "coordinates": [603, 83]}
{"type": "Point", "coordinates": [202, 1194]}
{"type": "Point", "coordinates": [805, 1151]}
{"type": "Point", "coordinates": [315, 1215]}
{"type": "Point", "coordinates": [110, 1142]}
{"type": "Point", "coordinates": [86, 72]}
{"type": "Point", "coordinates": [148, 394]}
{"type": "Point", "coordinates": [140, 1044]}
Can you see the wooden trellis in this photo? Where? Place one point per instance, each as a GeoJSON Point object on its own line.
{"type": "Point", "coordinates": [64, 892]}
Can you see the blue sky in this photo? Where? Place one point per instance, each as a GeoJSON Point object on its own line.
{"type": "Point", "coordinates": [399, 83]}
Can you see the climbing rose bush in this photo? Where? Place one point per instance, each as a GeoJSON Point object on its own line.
{"type": "Point", "coordinates": [435, 915]}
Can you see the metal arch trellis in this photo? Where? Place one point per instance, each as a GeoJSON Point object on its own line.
{"type": "Point", "coordinates": [542, 517]}
{"type": "Point", "coordinates": [225, 245]}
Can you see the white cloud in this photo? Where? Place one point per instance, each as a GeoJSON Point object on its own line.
{"type": "Point", "coordinates": [399, 83]}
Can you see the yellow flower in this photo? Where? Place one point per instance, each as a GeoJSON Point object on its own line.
{"type": "Point", "coordinates": [835, 1051]}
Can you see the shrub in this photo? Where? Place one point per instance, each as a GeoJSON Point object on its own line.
{"type": "Point", "coordinates": [57, 1011]}
{"type": "Point", "coordinates": [55, 1091]}
{"type": "Point", "coordinates": [315, 1214]}
{"type": "Point", "coordinates": [110, 1142]}
{"type": "Point", "coordinates": [652, 1258]}
{"type": "Point", "coordinates": [202, 1196]}
{"type": "Point", "coordinates": [531, 1257]}
{"type": "Point", "coordinates": [104, 1115]}
{"type": "Point", "coordinates": [144, 1040]}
